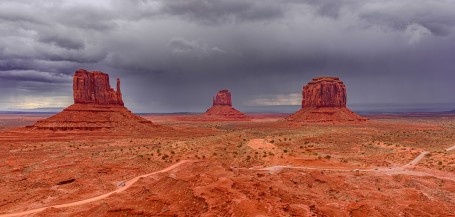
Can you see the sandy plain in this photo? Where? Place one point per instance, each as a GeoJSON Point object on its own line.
{"type": "Point", "coordinates": [388, 166]}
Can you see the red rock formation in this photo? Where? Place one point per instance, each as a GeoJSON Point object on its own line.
{"type": "Point", "coordinates": [94, 88]}
{"type": "Point", "coordinates": [119, 94]}
{"type": "Point", "coordinates": [324, 100]}
{"type": "Point", "coordinates": [222, 108]}
{"type": "Point", "coordinates": [97, 107]}
{"type": "Point", "coordinates": [223, 97]}
{"type": "Point", "coordinates": [93, 117]}
{"type": "Point", "coordinates": [324, 92]}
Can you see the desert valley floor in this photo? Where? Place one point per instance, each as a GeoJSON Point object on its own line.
{"type": "Point", "coordinates": [387, 166]}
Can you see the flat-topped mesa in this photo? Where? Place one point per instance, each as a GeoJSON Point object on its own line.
{"type": "Point", "coordinates": [223, 97]}
{"type": "Point", "coordinates": [324, 101]}
{"type": "Point", "coordinates": [92, 87]}
{"type": "Point", "coordinates": [324, 92]}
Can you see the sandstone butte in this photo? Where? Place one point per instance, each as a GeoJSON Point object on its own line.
{"type": "Point", "coordinates": [324, 101]}
{"type": "Point", "coordinates": [94, 88]}
{"type": "Point", "coordinates": [96, 107]}
{"type": "Point", "coordinates": [222, 108]}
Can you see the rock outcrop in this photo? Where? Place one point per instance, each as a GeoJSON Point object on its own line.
{"type": "Point", "coordinates": [97, 107]}
{"type": "Point", "coordinates": [324, 92]}
{"type": "Point", "coordinates": [222, 108]}
{"type": "Point", "coordinates": [223, 97]}
{"type": "Point", "coordinates": [94, 88]}
{"type": "Point", "coordinates": [324, 100]}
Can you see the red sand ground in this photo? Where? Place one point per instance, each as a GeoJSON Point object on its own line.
{"type": "Point", "coordinates": [263, 167]}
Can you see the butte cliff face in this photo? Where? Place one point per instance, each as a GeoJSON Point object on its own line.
{"type": "Point", "coordinates": [94, 88]}
{"type": "Point", "coordinates": [223, 98]}
{"type": "Point", "coordinates": [324, 100]}
{"type": "Point", "coordinates": [324, 92]}
{"type": "Point", "coordinates": [97, 107]}
{"type": "Point", "coordinates": [222, 108]}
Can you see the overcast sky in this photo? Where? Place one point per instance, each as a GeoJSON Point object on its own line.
{"type": "Point", "coordinates": [174, 55]}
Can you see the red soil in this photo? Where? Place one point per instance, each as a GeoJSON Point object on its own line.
{"type": "Point", "coordinates": [261, 167]}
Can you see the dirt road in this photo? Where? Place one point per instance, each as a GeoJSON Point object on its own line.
{"type": "Point", "coordinates": [405, 169]}
{"type": "Point", "coordinates": [97, 198]}
{"type": "Point", "coordinates": [393, 170]}
{"type": "Point", "coordinates": [451, 148]}
{"type": "Point", "coordinates": [416, 160]}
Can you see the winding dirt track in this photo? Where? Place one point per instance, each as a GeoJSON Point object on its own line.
{"type": "Point", "coordinates": [100, 197]}
{"type": "Point", "coordinates": [416, 160]}
{"type": "Point", "coordinates": [451, 148]}
{"type": "Point", "coordinates": [390, 171]}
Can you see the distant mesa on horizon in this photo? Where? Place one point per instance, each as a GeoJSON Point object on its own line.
{"type": "Point", "coordinates": [222, 108]}
{"type": "Point", "coordinates": [97, 107]}
{"type": "Point", "coordinates": [324, 100]}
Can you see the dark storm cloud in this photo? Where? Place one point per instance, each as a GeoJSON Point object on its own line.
{"type": "Point", "coordinates": [436, 16]}
{"type": "Point", "coordinates": [221, 11]}
{"type": "Point", "coordinates": [173, 55]}
{"type": "Point", "coordinates": [67, 41]}
{"type": "Point", "coordinates": [36, 76]}
{"type": "Point", "coordinates": [183, 46]}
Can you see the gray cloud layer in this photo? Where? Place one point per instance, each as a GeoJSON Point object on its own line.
{"type": "Point", "coordinates": [174, 55]}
